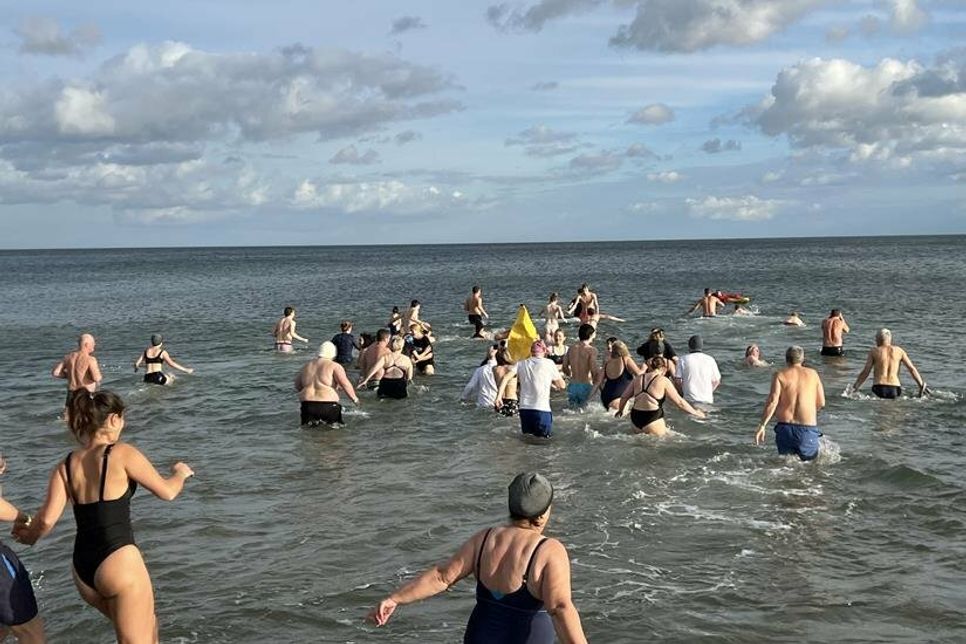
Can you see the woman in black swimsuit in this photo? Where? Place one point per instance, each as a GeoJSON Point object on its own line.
{"type": "Point", "coordinates": [99, 479]}
{"type": "Point", "coordinates": [558, 349]}
{"type": "Point", "coordinates": [618, 372]}
{"type": "Point", "coordinates": [649, 391]}
{"type": "Point", "coordinates": [397, 372]}
{"type": "Point", "coordinates": [155, 356]}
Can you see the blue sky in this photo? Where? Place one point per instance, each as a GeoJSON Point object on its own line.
{"type": "Point", "coordinates": [237, 123]}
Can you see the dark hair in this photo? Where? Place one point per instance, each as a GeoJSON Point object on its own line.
{"type": "Point", "coordinates": [503, 357]}
{"type": "Point", "coordinates": [657, 362]}
{"type": "Point", "coordinates": [586, 331]}
{"type": "Point", "coordinates": [477, 289]}
{"type": "Point", "coordinates": [553, 296]}
{"type": "Point", "coordinates": [834, 313]}
{"type": "Point", "coordinates": [395, 309]}
{"type": "Point", "coordinates": [414, 303]}
{"type": "Point", "coordinates": [707, 291]}
{"type": "Point", "coordinates": [88, 412]}
{"type": "Point", "coordinates": [382, 334]}
{"type": "Point", "coordinates": [289, 311]}
{"type": "Point", "coordinates": [612, 339]}
{"type": "Point", "coordinates": [366, 339]}
{"type": "Point", "coordinates": [345, 325]}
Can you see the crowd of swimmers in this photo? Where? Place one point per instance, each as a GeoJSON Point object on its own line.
{"type": "Point", "coordinates": [523, 578]}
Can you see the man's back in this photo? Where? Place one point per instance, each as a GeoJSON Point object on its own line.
{"type": "Point", "coordinates": [698, 372]}
{"type": "Point", "coordinates": [370, 356]}
{"type": "Point", "coordinates": [78, 369]}
{"type": "Point", "coordinates": [283, 330]}
{"type": "Point", "coordinates": [536, 376]}
{"type": "Point", "coordinates": [832, 329]}
{"type": "Point", "coordinates": [886, 361]}
{"type": "Point", "coordinates": [317, 379]}
{"type": "Point", "coordinates": [582, 362]}
{"type": "Point", "coordinates": [801, 395]}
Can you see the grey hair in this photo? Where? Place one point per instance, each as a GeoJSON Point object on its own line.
{"type": "Point", "coordinates": [794, 355]}
{"type": "Point", "coordinates": [882, 336]}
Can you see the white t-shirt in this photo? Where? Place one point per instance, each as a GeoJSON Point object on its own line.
{"type": "Point", "coordinates": [482, 386]}
{"type": "Point", "coordinates": [697, 372]}
{"type": "Point", "coordinates": [536, 376]}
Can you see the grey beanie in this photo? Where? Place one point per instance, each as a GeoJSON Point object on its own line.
{"type": "Point", "coordinates": [695, 343]}
{"type": "Point", "coordinates": [530, 495]}
{"type": "Point", "coordinates": [156, 339]}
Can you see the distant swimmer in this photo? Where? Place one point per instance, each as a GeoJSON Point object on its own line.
{"type": "Point", "coordinates": [585, 299]}
{"type": "Point", "coordinates": [99, 480]}
{"type": "Point", "coordinates": [523, 591]}
{"type": "Point", "coordinates": [709, 305]}
{"type": "Point", "coordinates": [580, 365]}
{"type": "Point", "coordinates": [536, 376]}
{"type": "Point", "coordinates": [657, 345]}
{"type": "Point", "coordinates": [834, 327]}
{"type": "Point", "coordinates": [649, 390]}
{"type": "Point", "coordinates": [412, 317]}
{"type": "Point", "coordinates": [395, 369]}
{"type": "Point", "coordinates": [796, 397]}
{"type": "Point", "coordinates": [753, 357]}
{"type": "Point", "coordinates": [372, 356]}
{"type": "Point", "coordinates": [345, 343]}
{"type": "Point", "coordinates": [422, 355]}
{"type": "Point", "coordinates": [617, 373]}
{"type": "Point", "coordinates": [594, 317]}
{"type": "Point", "coordinates": [475, 312]}
{"type": "Point", "coordinates": [19, 614]}
{"type": "Point", "coordinates": [481, 388]}
{"type": "Point", "coordinates": [698, 373]}
{"type": "Point", "coordinates": [318, 384]}
{"type": "Point", "coordinates": [284, 331]}
{"type": "Point", "coordinates": [552, 314]}
{"type": "Point", "coordinates": [80, 369]}
{"type": "Point", "coordinates": [155, 356]}
{"type": "Point", "coordinates": [793, 319]}
{"type": "Point", "coordinates": [885, 359]}
{"type": "Point", "coordinates": [559, 348]}
{"type": "Point", "coordinates": [741, 310]}
{"type": "Point", "coordinates": [395, 323]}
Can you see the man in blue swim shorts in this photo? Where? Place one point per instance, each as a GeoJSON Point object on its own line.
{"type": "Point", "coordinates": [795, 398]}
{"type": "Point", "coordinates": [537, 375]}
{"type": "Point", "coordinates": [580, 364]}
{"type": "Point", "coordinates": [18, 606]}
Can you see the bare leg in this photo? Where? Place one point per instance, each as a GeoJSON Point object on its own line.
{"type": "Point", "coordinates": [124, 585]}
{"type": "Point", "coordinates": [30, 633]}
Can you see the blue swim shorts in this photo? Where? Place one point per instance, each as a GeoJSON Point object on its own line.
{"type": "Point", "coordinates": [536, 422]}
{"type": "Point", "coordinates": [17, 603]}
{"type": "Point", "coordinates": [797, 439]}
{"type": "Point", "coordinates": [578, 393]}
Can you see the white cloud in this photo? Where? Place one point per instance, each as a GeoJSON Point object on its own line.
{"type": "Point", "coordinates": [894, 111]}
{"type": "Point", "coordinates": [351, 155]}
{"type": "Point", "coordinates": [372, 196]}
{"type": "Point", "coordinates": [691, 25]}
{"type": "Point", "coordinates": [507, 18]}
{"type": "Point", "coordinates": [543, 141]}
{"type": "Point", "coordinates": [670, 176]}
{"type": "Point", "coordinates": [172, 92]}
{"type": "Point", "coordinates": [44, 36]}
{"type": "Point", "coordinates": [746, 208]}
{"type": "Point", "coordinates": [653, 114]}
{"type": "Point", "coordinates": [907, 15]}
{"type": "Point", "coordinates": [598, 163]}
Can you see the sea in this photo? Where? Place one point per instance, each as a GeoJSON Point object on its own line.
{"type": "Point", "coordinates": [292, 535]}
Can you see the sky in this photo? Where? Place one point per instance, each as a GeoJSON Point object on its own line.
{"type": "Point", "coordinates": [211, 123]}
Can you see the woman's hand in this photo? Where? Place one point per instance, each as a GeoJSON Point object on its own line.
{"type": "Point", "coordinates": [182, 470]}
{"type": "Point", "coordinates": [381, 613]}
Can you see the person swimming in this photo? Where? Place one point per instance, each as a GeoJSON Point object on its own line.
{"type": "Point", "coordinates": [152, 363]}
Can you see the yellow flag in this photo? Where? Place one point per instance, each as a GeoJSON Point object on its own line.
{"type": "Point", "coordinates": [522, 335]}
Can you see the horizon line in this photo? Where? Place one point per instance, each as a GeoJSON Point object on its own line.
{"type": "Point", "coordinates": [490, 243]}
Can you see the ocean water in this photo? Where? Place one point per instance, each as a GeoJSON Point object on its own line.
{"type": "Point", "coordinates": [292, 535]}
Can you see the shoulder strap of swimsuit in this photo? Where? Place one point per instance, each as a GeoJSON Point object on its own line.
{"type": "Point", "coordinates": [107, 452]}
{"type": "Point", "coordinates": [533, 555]}
{"type": "Point", "coordinates": [479, 555]}
{"type": "Point", "coordinates": [70, 485]}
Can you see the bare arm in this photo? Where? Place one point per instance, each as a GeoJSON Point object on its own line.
{"type": "Point", "coordinates": [432, 582]}
{"type": "Point", "coordinates": [95, 370]}
{"type": "Point", "coordinates": [296, 335]}
{"type": "Point", "coordinates": [907, 361]}
{"type": "Point", "coordinates": [9, 512]}
{"type": "Point", "coordinates": [49, 513]}
{"type": "Point", "coordinates": [59, 370]}
{"type": "Point", "coordinates": [629, 393]}
{"type": "Point", "coordinates": [140, 469]}
{"type": "Point", "coordinates": [631, 366]}
{"type": "Point", "coordinates": [501, 389]}
{"type": "Point", "coordinates": [694, 308]}
{"type": "Point", "coordinates": [139, 361]}
{"type": "Point", "coordinates": [866, 370]}
{"type": "Point", "coordinates": [559, 383]}
{"type": "Point", "coordinates": [771, 404]}
{"type": "Point", "coordinates": [343, 381]}
{"type": "Point", "coordinates": [565, 367]}
{"type": "Point", "coordinates": [168, 360]}
{"type": "Point", "coordinates": [819, 394]}
{"type": "Point", "coordinates": [556, 595]}
{"type": "Point", "coordinates": [298, 381]}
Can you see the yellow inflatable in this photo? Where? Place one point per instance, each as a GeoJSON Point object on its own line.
{"type": "Point", "coordinates": [522, 334]}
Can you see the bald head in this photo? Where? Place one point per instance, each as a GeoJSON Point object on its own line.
{"type": "Point", "coordinates": [85, 341]}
